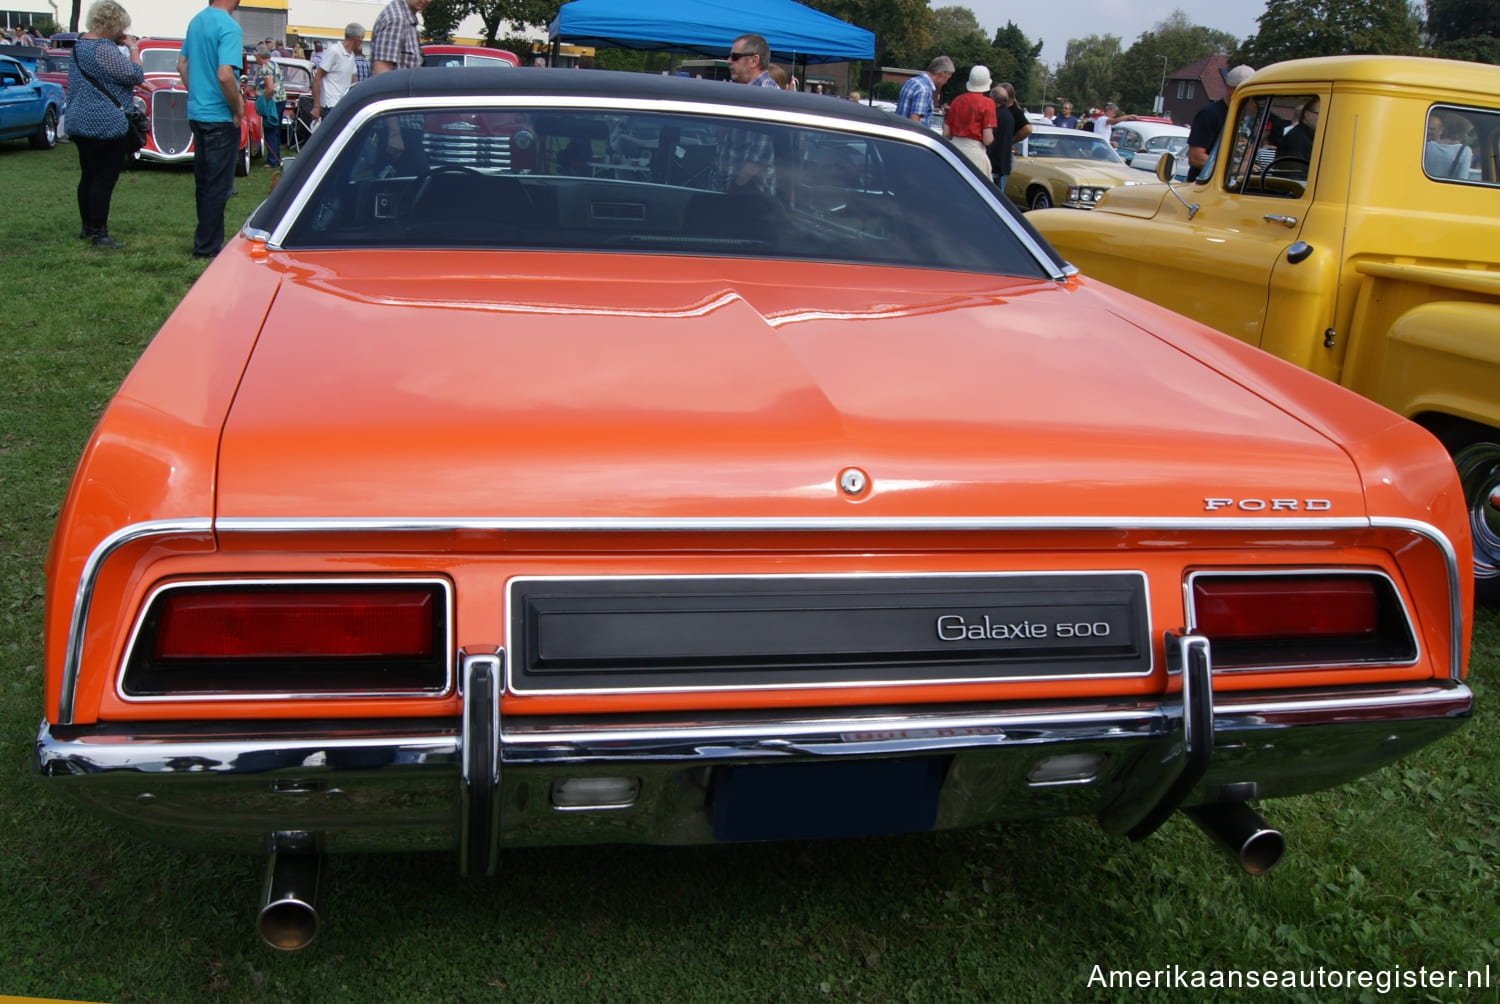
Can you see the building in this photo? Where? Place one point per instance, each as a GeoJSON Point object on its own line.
{"type": "Point", "coordinates": [1187, 90]}
{"type": "Point", "coordinates": [307, 20]}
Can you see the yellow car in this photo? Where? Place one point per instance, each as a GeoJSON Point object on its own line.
{"type": "Point", "coordinates": [1347, 222]}
{"type": "Point", "coordinates": [1066, 167]}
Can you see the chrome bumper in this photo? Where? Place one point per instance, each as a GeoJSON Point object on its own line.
{"type": "Point", "coordinates": [418, 785]}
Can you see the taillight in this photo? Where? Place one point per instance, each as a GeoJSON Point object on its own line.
{"type": "Point", "coordinates": [1283, 620]}
{"type": "Point", "coordinates": [246, 624]}
{"type": "Point", "coordinates": [291, 639]}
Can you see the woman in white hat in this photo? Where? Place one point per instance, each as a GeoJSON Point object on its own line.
{"type": "Point", "coordinates": [970, 122]}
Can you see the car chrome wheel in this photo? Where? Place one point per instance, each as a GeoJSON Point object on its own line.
{"type": "Point", "coordinates": [1479, 471]}
{"type": "Point", "coordinates": [242, 166]}
{"type": "Point", "coordinates": [46, 133]}
{"type": "Point", "coordinates": [1040, 199]}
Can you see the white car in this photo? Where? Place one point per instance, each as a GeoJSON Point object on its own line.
{"type": "Point", "coordinates": [1141, 143]}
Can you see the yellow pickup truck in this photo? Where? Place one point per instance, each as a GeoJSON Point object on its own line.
{"type": "Point", "coordinates": [1348, 221]}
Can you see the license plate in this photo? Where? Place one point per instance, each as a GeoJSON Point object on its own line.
{"type": "Point", "coordinates": [812, 800]}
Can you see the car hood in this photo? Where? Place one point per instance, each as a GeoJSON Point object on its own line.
{"type": "Point", "coordinates": [1088, 172]}
{"type": "Point", "coordinates": [1142, 200]}
{"type": "Point", "coordinates": [500, 385]}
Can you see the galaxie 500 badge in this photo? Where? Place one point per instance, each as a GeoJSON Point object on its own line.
{"type": "Point", "coordinates": [955, 627]}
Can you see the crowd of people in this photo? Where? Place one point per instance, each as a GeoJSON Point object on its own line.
{"type": "Point", "coordinates": [21, 34]}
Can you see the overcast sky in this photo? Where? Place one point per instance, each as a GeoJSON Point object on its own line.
{"type": "Point", "coordinates": [1053, 23]}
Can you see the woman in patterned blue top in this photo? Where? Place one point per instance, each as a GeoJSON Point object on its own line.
{"type": "Point", "coordinates": [96, 124]}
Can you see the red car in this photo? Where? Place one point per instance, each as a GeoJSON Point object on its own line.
{"type": "Point", "coordinates": [164, 99]}
{"type": "Point", "coordinates": [467, 55]}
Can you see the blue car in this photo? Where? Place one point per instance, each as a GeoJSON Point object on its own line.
{"type": "Point", "coordinates": [30, 108]}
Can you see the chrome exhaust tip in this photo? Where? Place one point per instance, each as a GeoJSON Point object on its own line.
{"type": "Point", "coordinates": [289, 919]}
{"type": "Point", "coordinates": [1238, 828]}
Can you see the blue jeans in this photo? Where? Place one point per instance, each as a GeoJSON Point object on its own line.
{"type": "Point", "coordinates": [271, 128]}
{"type": "Point", "coordinates": [215, 147]}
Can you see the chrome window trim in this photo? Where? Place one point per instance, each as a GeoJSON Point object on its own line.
{"type": "Point", "coordinates": [1302, 570]}
{"type": "Point", "coordinates": [83, 594]}
{"type": "Point", "coordinates": [780, 117]}
{"type": "Point", "coordinates": [450, 653]}
{"type": "Point", "coordinates": [511, 645]}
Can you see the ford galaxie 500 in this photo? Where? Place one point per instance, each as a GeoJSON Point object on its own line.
{"type": "Point", "coordinates": [576, 457]}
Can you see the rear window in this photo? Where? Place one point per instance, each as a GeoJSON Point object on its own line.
{"type": "Point", "coordinates": [591, 180]}
{"type": "Point", "coordinates": [1461, 145]}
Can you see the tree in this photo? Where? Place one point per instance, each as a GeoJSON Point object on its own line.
{"type": "Point", "coordinates": [1087, 74]}
{"type": "Point", "coordinates": [903, 28]}
{"type": "Point", "coordinates": [1170, 45]}
{"type": "Point", "coordinates": [1453, 20]}
{"type": "Point", "coordinates": [1293, 29]}
{"type": "Point", "coordinates": [1482, 49]}
{"type": "Point", "coordinates": [519, 14]}
{"type": "Point", "coordinates": [1011, 41]}
{"type": "Point", "coordinates": [441, 18]}
{"type": "Point", "coordinates": [957, 35]}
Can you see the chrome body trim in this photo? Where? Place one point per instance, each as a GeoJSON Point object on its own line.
{"type": "Point", "coordinates": [1455, 595]}
{"type": "Point", "coordinates": [1270, 572]}
{"type": "Point", "coordinates": [512, 644]}
{"type": "Point", "coordinates": [397, 785]}
{"type": "Point", "coordinates": [83, 596]}
{"type": "Point", "coordinates": [449, 653]}
{"type": "Point", "coordinates": [207, 525]}
{"type": "Point", "coordinates": [778, 116]}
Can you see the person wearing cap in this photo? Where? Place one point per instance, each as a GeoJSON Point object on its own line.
{"type": "Point", "coordinates": [1208, 124]}
{"type": "Point", "coordinates": [970, 122]}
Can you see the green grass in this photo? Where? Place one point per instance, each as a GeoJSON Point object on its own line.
{"type": "Point", "coordinates": [1398, 869]}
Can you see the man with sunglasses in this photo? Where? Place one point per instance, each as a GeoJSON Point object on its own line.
{"type": "Point", "coordinates": [746, 161]}
{"type": "Point", "coordinates": [750, 61]}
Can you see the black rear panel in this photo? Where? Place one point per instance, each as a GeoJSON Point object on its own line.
{"type": "Point", "coordinates": [691, 633]}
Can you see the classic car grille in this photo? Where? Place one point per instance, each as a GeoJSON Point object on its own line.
{"type": "Point", "coordinates": [468, 149]}
{"type": "Point", "coordinates": [761, 632]}
{"type": "Point", "coordinates": [169, 122]}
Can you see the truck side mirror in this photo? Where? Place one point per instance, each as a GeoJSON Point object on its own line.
{"type": "Point", "coordinates": [1166, 166]}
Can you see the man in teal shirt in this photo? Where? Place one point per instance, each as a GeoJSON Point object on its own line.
{"type": "Point", "coordinates": [209, 65]}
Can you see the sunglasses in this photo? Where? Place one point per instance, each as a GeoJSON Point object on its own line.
{"type": "Point", "coordinates": [739, 55]}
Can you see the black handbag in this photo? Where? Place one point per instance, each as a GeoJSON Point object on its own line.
{"type": "Point", "coordinates": [137, 128]}
{"type": "Point", "coordinates": [137, 123]}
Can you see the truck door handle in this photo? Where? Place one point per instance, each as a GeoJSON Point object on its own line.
{"type": "Point", "coordinates": [1290, 221]}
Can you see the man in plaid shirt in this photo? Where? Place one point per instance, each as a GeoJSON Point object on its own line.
{"type": "Point", "coordinates": [917, 95]}
{"type": "Point", "coordinates": [393, 41]}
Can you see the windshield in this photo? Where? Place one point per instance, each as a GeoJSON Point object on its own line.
{"type": "Point", "coordinates": [593, 180]}
{"type": "Point", "coordinates": [159, 60]}
{"type": "Point", "coordinates": [1082, 146]}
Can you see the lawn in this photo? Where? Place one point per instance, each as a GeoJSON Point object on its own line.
{"type": "Point", "coordinates": [1389, 875]}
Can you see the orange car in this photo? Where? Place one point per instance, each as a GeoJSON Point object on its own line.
{"type": "Point", "coordinates": [585, 457]}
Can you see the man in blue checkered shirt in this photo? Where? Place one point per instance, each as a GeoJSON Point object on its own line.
{"type": "Point", "coordinates": [919, 94]}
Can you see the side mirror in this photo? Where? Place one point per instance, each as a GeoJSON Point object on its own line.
{"type": "Point", "coordinates": [1166, 166]}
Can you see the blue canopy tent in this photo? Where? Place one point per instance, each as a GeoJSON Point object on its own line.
{"type": "Point", "coordinates": [706, 27]}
